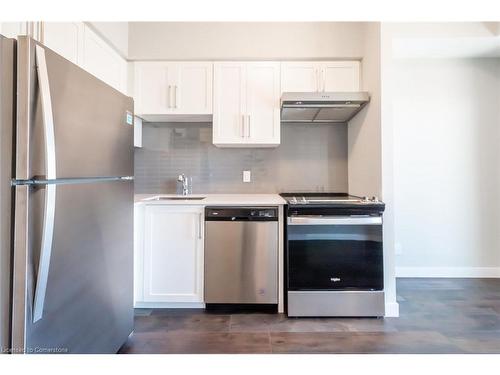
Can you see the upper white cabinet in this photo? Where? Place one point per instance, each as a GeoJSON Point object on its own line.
{"type": "Point", "coordinates": [246, 104]}
{"type": "Point", "coordinates": [13, 29]}
{"type": "Point", "coordinates": [320, 76]}
{"type": "Point", "coordinates": [152, 92]}
{"type": "Point", "coordinates": [173, 88]}
{"type": "Point", "coordinates": [65, 38]}
{"type": "Point", "coordinates": [104, 62]}
{"type": "Point", "coordinates": [263, 103]}
{"type": "Point", "coordinates": [78, 43]}
{"type": "Point", "coordinates": [193, 88]}
{"type": "Point", "coordinates": [341, 76]}
{"type": "Point", "coordinates": [300, 76]}
{"type": "Point", "coordinates": [229, 103]}
{"type": "Point", "coordinates": [173, 254]}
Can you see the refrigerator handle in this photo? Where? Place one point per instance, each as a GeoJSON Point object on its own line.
{"type": "Point", "coordinates": [50, 189]}
{"type": "Point", "coordinates": [47, 116]}
{"type": "Point", "coordinates": [45, 251]}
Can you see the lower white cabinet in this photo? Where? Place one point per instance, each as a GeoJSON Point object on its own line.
{"type": "Point", "coordinates": [169, 254]}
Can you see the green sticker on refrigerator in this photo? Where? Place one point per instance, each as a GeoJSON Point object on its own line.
{"type": "Point", "coordinates": [130, 118]}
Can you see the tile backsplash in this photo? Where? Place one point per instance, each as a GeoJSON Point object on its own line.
{"type": "Point", "coordinates": [310, 158]}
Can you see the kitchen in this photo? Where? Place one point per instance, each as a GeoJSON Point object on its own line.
{"type": "Point", "coordinates": [258, 149]}
{"type": "Point", "coordinates": [208, 163]}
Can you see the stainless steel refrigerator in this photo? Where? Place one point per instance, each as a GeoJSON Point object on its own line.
{"type": "Point", "coordinates": [66, 205]}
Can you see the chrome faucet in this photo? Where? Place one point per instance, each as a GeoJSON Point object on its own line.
{"type": "Point", "coordinates": [185, 184]}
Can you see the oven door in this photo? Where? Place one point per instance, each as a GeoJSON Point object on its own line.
{"type": "Point", "coordinates": [335, 253]}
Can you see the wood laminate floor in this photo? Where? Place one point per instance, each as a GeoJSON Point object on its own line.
{"type": "Point", "coordinates": [436, 316]}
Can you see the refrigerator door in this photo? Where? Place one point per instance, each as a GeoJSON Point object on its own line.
{"type": "Point", "coordinates": [73, 215]}
{"type": "Point", "coordinates": [86, 303]}
{"type": "Point", "coordinates": [91, 122]}
{"type": "Point", "coordinates": [7, 98]}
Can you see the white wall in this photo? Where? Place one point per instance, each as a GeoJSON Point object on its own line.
{"type": "Point", "coordinates": [446, 40]}
{"type": "Point", "coordinates": [447, 166]}
{"type": "Point", "coordinates": [244, 40]}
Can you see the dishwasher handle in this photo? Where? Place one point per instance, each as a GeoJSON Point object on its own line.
{"type": "Point", "coordinates": [241, 214]}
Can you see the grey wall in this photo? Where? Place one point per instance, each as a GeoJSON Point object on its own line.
{"type": "Point", "coordinates": [310, 158]}
{"type": "Point", "coordinates": [364, 132]}
{"type": "Point", "coordinates": [245, 40]}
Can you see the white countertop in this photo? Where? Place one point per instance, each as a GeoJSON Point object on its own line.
{"type": "Point", "coordinates": [215, 199]}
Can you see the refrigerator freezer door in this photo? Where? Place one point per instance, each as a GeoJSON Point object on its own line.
{"type": "Point", "coordinates": [93, 134]}
{"type": "Point", "coordinates": [86, 306]}
{"type": "Point", "coordinates": [7, 95]}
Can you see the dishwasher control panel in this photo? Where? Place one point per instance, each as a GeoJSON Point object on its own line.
{"type": "Point", "coordinates": [241, 214]}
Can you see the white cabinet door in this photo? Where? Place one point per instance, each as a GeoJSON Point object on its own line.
{"type": "Point", "coordinates": [173, 254]}
{"type": "Point", "coordinates": [65, 38]}
{"type": "Point", "coordinates": [229, 104]}
{"type": "Point", "coordinates": [262, 125]}
{"type": "Point", "coordinates": [137, 131]}
{"type": "Point", "coordinates": [320, 76]}
{"type": "Point", "coordinates": [340, 76]}
{"type": "Point", "coordinates": [166, 88]}
{"type": "Point", "coordinates": [139, 222]}
{"type": "Point", "coordinates": [153, 94]}
{"type": "Point", "coordinates": [102, 61]}
{"type": "Point", "coordinates": [13, 29]}
{"type": "Point", "coordinates": [301, 76]}
{"type": "Point", "coordinates": [193, 88]}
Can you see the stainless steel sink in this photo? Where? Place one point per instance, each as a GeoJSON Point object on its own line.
{"type": "Point", "coordinates": [177, 198]}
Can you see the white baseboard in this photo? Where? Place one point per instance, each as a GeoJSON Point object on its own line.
{"type": "Point", "coordinates": [456, 272]}
{"type": "Point", "coordinates": [392, 310]}
{"type": "Point", "coordinates": [169, 305]}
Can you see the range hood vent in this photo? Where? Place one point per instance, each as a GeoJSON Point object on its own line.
{"type": "Point", "coordinates": [322, 107]}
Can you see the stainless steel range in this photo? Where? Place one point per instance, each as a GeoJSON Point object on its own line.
{"type": "Point", "coordinates": [334, 255]}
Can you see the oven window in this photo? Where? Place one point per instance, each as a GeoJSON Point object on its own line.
{"type": "Point", "coordinates": [335, 257]}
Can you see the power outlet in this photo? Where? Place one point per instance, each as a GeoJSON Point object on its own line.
{"type": "Point", "coordinates": [247, 176]}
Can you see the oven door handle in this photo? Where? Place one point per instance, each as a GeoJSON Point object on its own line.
{"type": "Point", "coordinates": [334, 220]}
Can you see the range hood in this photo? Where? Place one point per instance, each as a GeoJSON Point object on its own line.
{"type": "Point", "coordinates": [320, 107]}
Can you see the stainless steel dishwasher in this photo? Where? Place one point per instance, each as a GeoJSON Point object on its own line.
{"type": "Point", "coordinates": [241, 255]}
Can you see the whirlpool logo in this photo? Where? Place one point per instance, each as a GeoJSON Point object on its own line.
{"type": "Point", "coordinates": [335, 279]}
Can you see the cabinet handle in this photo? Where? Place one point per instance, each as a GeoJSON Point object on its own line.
{"type": "Point", "coordinates": [169, 97]}
{"type": "Point", "coordinates": [200, 224]}
{"type": "Point", "coordinates": [175, 96]}
{"type": "Point", "coordinates": [248, 126]}
{"type": "Point", "coordinates": [242, 126]}
{"type": "Point", "coordinates": [323, 78]}
{"type": "Point", "coordinates": [317, 81]}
